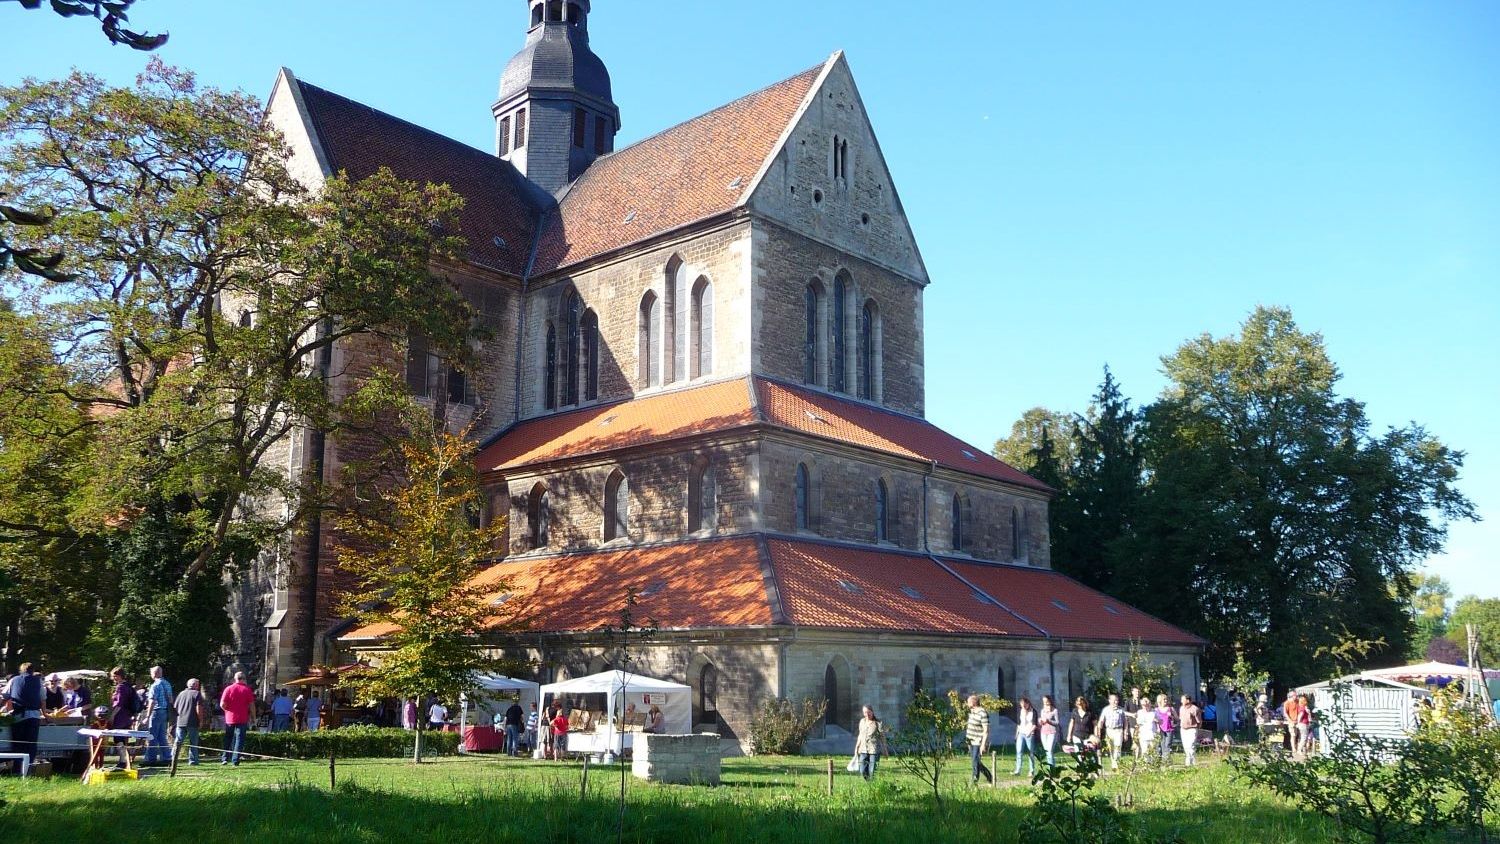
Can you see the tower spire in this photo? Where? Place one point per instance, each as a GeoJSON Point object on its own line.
{"type": "Point", "coordinates": [555, 113]}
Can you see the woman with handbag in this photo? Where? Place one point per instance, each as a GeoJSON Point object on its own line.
{"type": "Point", "coordinates": [869, 743]}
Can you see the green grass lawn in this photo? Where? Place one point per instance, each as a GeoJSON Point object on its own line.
{"type": "Point", "coordinates": [479, 798]}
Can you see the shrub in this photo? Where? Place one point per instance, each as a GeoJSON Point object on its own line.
{"type": "Point", "coordinates": [1381, 788]}
{"type": "Point", "coordinates": [1460, 747]}
{"type": "Point", "coordinates": [372, 742]}
{"type": "Point", "coordinates": [928, 737]}
{"type": "Point", "coordinates": [781, 726]}
{"type": "Point", "coordinates": [1068, 811]}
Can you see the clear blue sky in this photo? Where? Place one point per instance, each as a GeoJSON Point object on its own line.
{"type": "Point", "coordinates": [1090, 183]}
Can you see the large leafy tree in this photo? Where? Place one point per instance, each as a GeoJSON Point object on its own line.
{"type": "Point", "coordinates": [414, 551]}
{"type": "Point", "coordinates": [1039, 432]}
{"type": "Point", "coordinates": [1099, 500]}
{"type": "Point", "coordinates": [1484, 614]}
{"type": "Point", "coordinates": [1274, 514]}
{"type": "Point", "coordinates": [1429, 612]}
{"type": "Point", "coordinates": [193, 317]}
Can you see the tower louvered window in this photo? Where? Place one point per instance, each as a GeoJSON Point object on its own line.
{"type": "Point", "coordinates": [601, 135]}
{"type": "Point", "coordinates": [580, 126]}
{"type": "Point", "coordinates": [504, 136]}
{"type": "Point", "coordinates": [520, 128]}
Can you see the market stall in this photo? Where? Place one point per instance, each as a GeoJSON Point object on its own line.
{"type": "Point", "coordinates": [598, 703]}
{"type": "Point", "coordinates": [496, 694]}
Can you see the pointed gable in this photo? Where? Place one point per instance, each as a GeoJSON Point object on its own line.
{"type": "Point", "coordinates": [828, 180]}
{"type": "Point", "coordinates": [685, 174]}
{"type": "Point", "coordinates": [500, 207]}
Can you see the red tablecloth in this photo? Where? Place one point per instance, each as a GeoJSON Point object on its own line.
{"type": "Point", "coordinates": [483, 739]}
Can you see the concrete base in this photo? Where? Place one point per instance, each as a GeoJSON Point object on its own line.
{"type": "Point", "coordinates": [681, 760]}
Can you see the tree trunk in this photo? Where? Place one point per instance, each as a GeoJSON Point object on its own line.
{"type": "Point", "coordinates": [416, 747]}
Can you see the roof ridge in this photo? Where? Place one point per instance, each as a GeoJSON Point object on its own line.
{"type": "Point", "coordinates": [997, 602]}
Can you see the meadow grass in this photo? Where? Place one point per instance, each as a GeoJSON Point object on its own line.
{"type": "Point", "coordinates": [770, 799]}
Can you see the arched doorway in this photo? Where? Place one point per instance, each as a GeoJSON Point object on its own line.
{"type": "Point", "coordinates": [838, 694]}
{"type": "Point", "coordinates": [706, 699]}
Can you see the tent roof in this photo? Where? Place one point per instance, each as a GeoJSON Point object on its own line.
{"type": "Point", "coordinates": [1356, 678]}
{"type": "Point", "coordinates": [1426, 669]}
{"type": "Point", "coordinates": [609, 680]}
{"type": "Point", "coordinates": [499, 683]}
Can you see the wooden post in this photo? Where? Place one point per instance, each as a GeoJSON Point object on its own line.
{"type": "Point", "coordinates": [830, 777]}
{"type": "Point", "coordinates": [584, 788]}
{"type": "Point", "coordinates": [332, 763]}
{"type": "Point", "coordinates": [994, 767]}
{"type": "Point", "coordinates": [172, 769]}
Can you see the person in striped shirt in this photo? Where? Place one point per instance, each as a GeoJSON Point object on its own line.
{"type": "Point", "coordinates": [977, 732]}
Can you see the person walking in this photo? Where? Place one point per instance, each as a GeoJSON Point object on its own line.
{"type": "Point", "coordinates": [977, 735]}
{"type": "Point", "coordinates": [191, 711]}
{"type": "Point", "coordinates": [1112, 723]}
{"type": "Point", "coordinates": [869, 743]}
{"type": "Point", "coordinates": [1192, 721]}
{"type": "Point", "coordinates": [437, 716]}
{"type": "Point", "coordinates": [1025, 736]}
{"type": "Point", "coordinates": [1304, 726]}
{"type": "Point", "coordinates": [158, 705]}
{"type": "Point", "coordinates": [1081, 723]}
{"type": "Point", "coordinates": [1166, 727]}
{"type": "Point", "coordinates": [26, 697]}
{"type": "Point", "coordinates": [1145, 728]}
{"type": "Point", "coordinates": [1046, 725]}
{"type": "Point", "coordinates": [236, 700]}
{"type": "Point", "coordinates": [514, 719]}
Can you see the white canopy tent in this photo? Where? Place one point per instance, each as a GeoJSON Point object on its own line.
{"type": "Point", "coordinates": [1426, 672]}
{"type": "Point", "coordinates": [620, 689]}
{"type": "Point", "coordinates": [492, 686]}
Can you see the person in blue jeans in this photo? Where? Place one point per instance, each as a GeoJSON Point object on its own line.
{"type": "Point", "coordinates": [1025, 736]}
{"type": "Point", "coordinates": [159, 700]}
{"type": "Point", "coordinates": [869, 743]}
{"type": "Point", "coordinates": [191, 711]}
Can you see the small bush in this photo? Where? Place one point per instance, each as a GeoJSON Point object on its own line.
{"type": "Point", "coordinates": [369, 742]}
{"type": "Point", "coordinates": [780, 726]}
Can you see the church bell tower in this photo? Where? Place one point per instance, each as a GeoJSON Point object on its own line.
{"type": "Point", "coordinates": [555, 113]}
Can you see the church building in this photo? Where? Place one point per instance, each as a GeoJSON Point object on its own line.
{"type": "Point", "coordinates": [703, 385]}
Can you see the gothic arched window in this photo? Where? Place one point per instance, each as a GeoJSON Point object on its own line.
{"type": "Point", "coordinates": [616, 505]}
{"type": "Point", "coordinates": [838, 373]}
{"type": "Point", "coordinates": [882, 511]}
{"type": "Point", "coordinates": [648, 341]}
{"type": "Point", "coordinates": [539, 516]}
{"type": "Point", "coordinates": [703, 494]}
{"type": "Point", "coordinates": [916, 677]}
{"type": "Point", "coordinates": [590, 356]}
{"type": "Point", "coordinates": [572, 316]}
{"type": "Point", "coordinates": [800, 498]}
{"type": "Point", "coordinates": [701, 328]}
{"type": "Point", "coordinates": [549, 369]}
{"type": "Point", "coordinates": [869, 351]}
{"type": "Point", "coordinates": [1017, 534]}
{"type": "Point", "coordinates": [958, 523]}
{"type": "Point", "coordinates": [812, 298]}
{"type": "Point", "coordinates": [673, 348]}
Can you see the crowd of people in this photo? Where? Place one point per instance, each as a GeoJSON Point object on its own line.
{"type": "Point", "coordinates": [1146, 727]}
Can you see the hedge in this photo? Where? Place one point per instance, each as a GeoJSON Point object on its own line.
{"type": "Point", "coordinates": [376, 742]}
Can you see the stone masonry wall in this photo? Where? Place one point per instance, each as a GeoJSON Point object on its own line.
{"type": "Point", "coordinates": [613, 291]}
{"type": "Point", "coordinates": [684, 760]}
{"type": "Point", "coordinates": [785, 263]}
{"type": "Point", "coordinates": [658, 487]}
{"type": "Point", "coordinates": [842, 503]}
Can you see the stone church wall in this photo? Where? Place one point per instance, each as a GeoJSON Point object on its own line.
{"type": "Point", "coordinates": [657, 482]}
{"type": "Point", "coordinates": [785, 262]}
{"type": "Point", "coordinates": [614, 291]}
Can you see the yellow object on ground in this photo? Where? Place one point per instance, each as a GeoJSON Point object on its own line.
{"type": "Point", "coordinates": [99, 776]}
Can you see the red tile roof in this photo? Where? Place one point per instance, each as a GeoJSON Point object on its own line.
{"type": "Point", "coordinates": [839, 586]}
{"type": "Point", "coordinates": [498, 200]}
{"type": "Point", "coordinates": [725, 406]}
{"type": "Point", "coordinates": [1065, 608]}
{"type": "Point", "coordinates": [682, 175]}
{"type": "Point", "coordinates": [721, 583]}
{"type": "Point", "coordinates": [831, 417]}
{"type": "Point", "coordinates": [664, 416]}
{"type": "Point", "coordinates": [702, 584]}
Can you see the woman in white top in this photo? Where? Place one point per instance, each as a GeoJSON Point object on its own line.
{"type": "Point", "coordinates": [1025, 736]}
{"type": "Point", "coordinates": [1047, 724]}
{"type": "Point", "coordinates": [1145, 722]}
{"type": "Point", "coordinates": [314, 712]}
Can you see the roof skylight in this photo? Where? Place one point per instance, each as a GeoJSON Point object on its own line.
{"type": "Point", "coordinates": [1060, 605]}
{"type": "Point", "coordinates": [911, 592]}
{"type": "Point", "coordinates": [848, 586]}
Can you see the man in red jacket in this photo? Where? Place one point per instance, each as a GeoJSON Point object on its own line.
{"type": "Point", "coordinates": [237, 700]}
